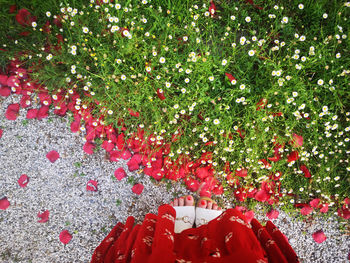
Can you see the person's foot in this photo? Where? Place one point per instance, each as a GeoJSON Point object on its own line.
{"type": "Point", "coordinates": [208, 204]}
{"type": "Point", "coordinates": [183, 201]}
{"type": "Point", "coordinates": [185, 213]}
{"type": "Point", "coordinates": [206, 210]}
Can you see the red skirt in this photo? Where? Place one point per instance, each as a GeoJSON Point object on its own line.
{"type": "Point", "coordinates": [227, 238]}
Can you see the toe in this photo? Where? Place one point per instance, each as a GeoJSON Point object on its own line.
{"type": "Point", "coordinates": [202, 204]}
{"type": "Point", "coordinates": [171, 203]}
{"type": "Point", "coordinates": [189, 200]}
{"type": "Point", "coordinates": [209, 205]}
{"type": "Point", "coordinates": [215, 207]}
{"type": "Point", "coordinates": [181, 201]}
{"type": "Point", "coordinates": [176, 202]}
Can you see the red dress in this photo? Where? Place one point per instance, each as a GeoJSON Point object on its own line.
{"type": "Point", "coordinates": [227, 238]}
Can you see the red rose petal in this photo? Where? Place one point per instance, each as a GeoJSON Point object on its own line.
{"type": "Point", "coordinates": [1, 132]}
{"type": "Point", "coordinates": [298, 140]}
{"type": "Point", "coordinates": [44, 216]}
{"type": "Point", "coordinates": [120, 173]}
{"type": "Point", "coordinates": [242, 172]}
{"type": "Point", "coordinates": [126, 154]}
{"type": "Point", "coordinates": [5, 91]}
{"type": "Point", "coordinates": [133, 165]}
{"type": "Point", "coordinates": [293, 156]}
{"type": "Point", "coordinates": [43, 112]}
{"type": "Point", "coordinates": [249, 215]}
{"type": "Point", "coordinates": [272, 214]}
{"type": "Point", "coordinates": [314, 202]}
{"type": "Point", "coordinates": [306, 210]}
{"type": "Point", "coordinates": [4, 203]}
{"type": "Point", "coordinates": [65, 237]}
{"type": "Point", "coordinates": [23, 180]}
{"type": "Point", "coordinates": [91, 186]}
{"type": "Point", "coordinates": [32, 113]}
{"type": "Point", "coordinates": [319, 236]}
{"type": "Point", "coordinates": [12, 112]}
{"type": "Point", "coordinates": [324, 208]}
{"type": "Point", "coordinates": [137, 188]}
{"type": "Point", "coordinates": [3, 80]}
{"type": "Point", "coordinates": [52, 156]}
{"type": "Point", "coordinates": [89, 148]}
{"type": "Point", "coordinates": [305, 170]}
{"type": "Point", "coordinates": [75, 126]}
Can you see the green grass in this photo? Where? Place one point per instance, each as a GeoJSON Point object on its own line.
{"type": "Point", "coordinates": [293, 65]}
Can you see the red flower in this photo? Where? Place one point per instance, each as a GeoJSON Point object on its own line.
{"type": "Point", "coordinates": [306, 171]}
{"type": "Point", "coordinates": [133, 165]}
{"type": "Point", "coordinates": [262, 195]}
{"type": "Point", "coordinates": [5, 91]}
{"type": "Point", "coordinates": [23, 180]}
{"type": "Point", "coordinates": [126, 154]}
{"type": "Point", "coordinates": [52, 156]}
{"type": "Point", "coordinates": [133, 113]}
{"type": "Point", "coordinates": [75, 126]}
{"type": "Point", "coordinates": [241, 172]}
{"type": "Point", "coordinates": [114, 156]}
{"type": "Point", "coordinates": [25, 101]}
{"type": "Point", "coordinates": [43, 112]}
{"type": "Point", "coordinates": [297, 140]}
{"type": "Point", "coordinates": [120, 173]}
{"type": "Point", "coordinates": [192, 184]}
{"type": "Point", "coordinates": [204, 172]}
{"type": "Point", "coordinates": [137, 188]}
{"type": "Point", "coordinates": [3, 80]}
{"type": "Point", "coordinates": [261, 104]}
{"type": "Point", "coordinates": [32, 113]}
{"type": "Point", "coordinates": [12, 9]}
{"type": "Point", "coordinates": [230, 77]}
{"type": "Point", "coordinates": [212, 8]}
{"type": "Point", "coordinates": [44, 216]}
{"type": "Point", "coordinates": [4, 203]}
{"type": "Point", "coordinates": [314, 203]}
{"type": "Point", "coordinates": [306, 210]}
{"type": "Point", "coordinates": [12, 112]}
{"type": "Point", "coordinates": [272, 214]}
{"type": "Point", "coordinates": [249, 215]}
{"type": "Point", "coordinates": [324, 208]}
{"type": "Point", "coordinates": [89, 147]}
{"type": "Point", "coordinates": [160, 94]}
{"type": "Point", "coordinates": [91, 186]}
{"type": "Point", "coordinates": [108, 146]}
{"type": "Point", "coordinates": [24, 17]}
{"type": "Point", "coordinates": [293, 156]}
{"type": "Point", "coordinates": [65, 237]}
{"type": "Point", "coordinates": [319, 236]}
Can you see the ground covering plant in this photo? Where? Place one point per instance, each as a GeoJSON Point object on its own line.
{"type": "Point", "coordinates": [243, 98]}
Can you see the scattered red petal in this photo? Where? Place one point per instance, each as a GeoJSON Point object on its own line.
{"type": "Point", "coordinates": [43, 112]}
{"type": "Point", "coordinates": [314, 203]}
{"type": "Point", "coordinates": [32, 113]}
{"type": "Point", "coordinates": [4, 203]}
{"type": "Point", "coordinates": [89, 148]}
{"type": "Point", "coordinates": [1, 132]}
{"type": "Point", "coordinates": [23, 180]}
{"type": "Point", "coordinates": [65, 237]}
{"type": "Point", "coordinates": [91, 186]}
{"type": "Point", "coordinates": [298, 140]}
{"type": "Point", "coordinates": [230, 77]}
{"type": "Point", "coordinates": [120, 173]}
{"type": "Point", "coordinates": [44, 216]}
{"type": "Point", "coordinates": [249, 215]}
{"type": "Point", "coordinates": [293, 156]}
{"type": "Point", "coordinates": [133, 165]}
{"type": "Point", "coordinates": [12, 112]}
{"type": "Point", "coordinates": [305, 170]}
{"type": "Point", "coordinates": [160, 94]}
{"type": "Point", "coordinates": [272, 214]}
{"type": "Point", "coordinates": [52, 156]}
{"type": "Point", "coordinates": [75, 126]}
{"type": "Point", "coordinates": [306, 210]}
{"type": "Point", "coordinates": [319, 236]}
{"type": "Point", "coordinates": [5, 91]}
{"type": "Point", "coordinates": [242, 172]}
{"type": "Point", "coordinates": [137, 188]}
{"type": "Point", "coordinates": [126, 154]}
{"type": "Point", "coordinates": [324, 208]}
{"type": "Point", "coordinates": [114, 156]}
{"type": "Point", "coordinates": [3, 80]}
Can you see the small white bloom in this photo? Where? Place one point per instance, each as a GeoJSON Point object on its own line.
{"type": "Point", "coordinates": [224, 62]}
{"type": "Point", "coordinates": [162, 60]}
{"type": "Point", "coordinates": [251, 53]}
{"type": "Point", "coordinates": [301, 6]}
{"type": "Point", "coordinates": [85, 30]}
{"type": "Point", "coordinates": [34, 24]}
{"type": "Point", "coordinates": [325, 16]}
{"type": "Point", "coordinates": [320, 82]}
{"type": "Point", "coordinates": [48, 14]}
{"type": "Point", "coordinates": [248, 19]}
{"type": "Point", "coordinates": [216, 121]}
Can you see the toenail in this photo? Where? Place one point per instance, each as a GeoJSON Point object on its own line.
{"type": "Point", "coordinates": [203, 202]}
{"type": "Point", "coordinates": [189, 197]}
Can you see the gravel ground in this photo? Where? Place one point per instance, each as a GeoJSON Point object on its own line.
{"type": "Point", "coordinates": [60, 187]}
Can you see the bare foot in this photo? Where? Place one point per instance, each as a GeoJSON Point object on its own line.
{"type": "Point", "coordinates": [183, 201]}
